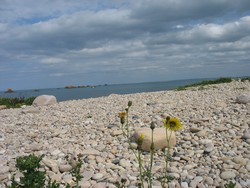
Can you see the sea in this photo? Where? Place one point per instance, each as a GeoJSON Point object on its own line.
{"type": "Point", "coordinates": [63, 94]}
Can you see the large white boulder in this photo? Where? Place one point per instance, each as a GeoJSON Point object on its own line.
{"type": "Point", "coordinates": [44, 100]}
{"type": "Point", "coordinates": [160, 140]}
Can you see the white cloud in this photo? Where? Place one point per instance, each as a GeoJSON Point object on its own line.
{"type": "Point", "coordinates": [59, 74]}
{"type": "Point", "coordinates": [113, 38]}
{"type": "Point", "coordinates": [53, 60]}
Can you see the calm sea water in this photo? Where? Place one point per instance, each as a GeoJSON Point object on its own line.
{"type": "Point", "coordinates": [63, 94]}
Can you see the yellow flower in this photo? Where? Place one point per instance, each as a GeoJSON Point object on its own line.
{"type": "Point", "coordinates": [122, 117]}
{"type": "Point", "coordinates": [122, 114]}
{"type": "Point", "coordinates": [140, 139]}
{"type": "Point", "coordinates": [172, 124]}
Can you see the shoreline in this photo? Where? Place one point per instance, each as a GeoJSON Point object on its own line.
{"type": "Point", "coordinates": [63, 94]}
{"type": "Point", "coordinates": [78, 126]}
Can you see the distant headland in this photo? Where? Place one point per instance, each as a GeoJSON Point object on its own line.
{"type": "Point", "coordinates": [72, 87]}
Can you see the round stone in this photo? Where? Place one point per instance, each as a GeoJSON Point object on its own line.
{"type": "Point", "coordinates": [209, 180]}
{"type": "Point", "coordinates": [239, 160]}
{"type": "Point", "coordinates": [248, 167]}
{"type": "Point", "coordinates": [184, 184]}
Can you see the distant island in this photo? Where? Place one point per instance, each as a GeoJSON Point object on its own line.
{"type": "Point", "coordinates": [9, 91]}
{"type": "Point", "coordinates": [87, 86]}
{"type": "Point", "coordinates": [72, 87]}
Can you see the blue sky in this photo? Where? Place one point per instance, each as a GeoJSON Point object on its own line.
{"type": "Point", "coordinates": [46, 44]}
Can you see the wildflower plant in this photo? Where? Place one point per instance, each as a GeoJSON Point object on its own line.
{"type": "Point", "coordinates": [171, 124]}
{"type": "Point", "coordinates": [33, 177]}
{"type": "Point", "coordinates": [145, 171]}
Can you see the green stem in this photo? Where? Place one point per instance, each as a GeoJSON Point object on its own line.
{"type": "Point", "coordinates": [167, 154]}
{"type": "Point", "coordinates": [140, 167]}
{"type": "Point", "coordinates": [130, 145]}
{"type": "Point", "coordinates": [151, 159]}
{"type": "Point", "coordinates": [127, 122]}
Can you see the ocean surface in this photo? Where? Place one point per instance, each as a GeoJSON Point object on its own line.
{"type": "Point", "coordinates": [63, 94]}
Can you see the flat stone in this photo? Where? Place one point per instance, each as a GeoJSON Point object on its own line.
{"type": "Point", "coordinates": [246, 135]}
{"type": "Point", "coordinates": [116, 161]}
{"type": "Point", "coordinates": [90, 152]}
{"type": "Point", "coordinates": [124, 163]}
{"type": "Point", "coordinates": [174, 175]}
{"type": "Point", "coordinates": [56, 177]}
{"type": "Point", "coordinates": [31, 110]}
{"type": "Point", "coordinates": [68, 179]}
{"type": "Point", "coordinates": [3, 177]}
{"type": "Point", "coordinates": [100, 185]}
{"type": "Point", "coordinates": [188, 167]}
{"type": "Point", "coordinates": [193, 184]}
{"type": "Point", "coordinates": [206, 141]}
{"type": "Point", "coordinates": [87, 175]}
{"type": "Point", "coordinates": [195, 129]}
{"type": "Point", "coordinates": [221, 104]}
{"type": "Point", "coordinates": [116, 132]}
{"type": "Point", "coordinates": [99, 159]}
{"type": "Point", "coordinates": [4, 169]}
{"type": "Point", "coordinates": [186, 158]}
{"type": "Point", "coordinates": [52, 164]}
{"type": "Point", "coordinates": [198, 179]}
{"type": "Point", "coordinates": [220, 129]}
{"type": "Point", "coordinates": [55, 152]}
{"type": "Point", "coordinates": [227, 175]}
{"type": "Point", "coordinates": [201, 133]}
{"type": "Point", "coordinates": [65, 168]}
{"type": "Point", "coordinates": [36, 147]}
{"type": "Point", "coordinates": [209, 180]}
{"type": "Point", "coordinates": [84, 184]}
{"type": "Point", "coordinates": [97, 176]}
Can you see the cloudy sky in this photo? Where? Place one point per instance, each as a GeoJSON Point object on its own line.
{"type": "Point", "coordinates": [54, 43]}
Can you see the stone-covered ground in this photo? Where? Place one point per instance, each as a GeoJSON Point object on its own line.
{"type": "Point", "coordinates": [212, 149]}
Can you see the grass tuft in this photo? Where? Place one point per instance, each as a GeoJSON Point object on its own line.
{"type": "Point", "coordinates": [204, 83]}
{"type": "Point", "coordinates": [16, 102]}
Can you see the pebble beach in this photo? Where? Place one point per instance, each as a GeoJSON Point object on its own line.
{"type": "Point", "coordinates": [212, 149]}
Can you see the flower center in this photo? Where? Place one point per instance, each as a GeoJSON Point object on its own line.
{"type": "Point", "coordinates": [172, 124]}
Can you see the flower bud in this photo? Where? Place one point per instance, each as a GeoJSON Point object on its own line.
{"type": "Point", "coordinates": [129, 103]}
{"type": "Point", "coordinates": [152, 126]}
{"type": "Point", "coordinates": [167, 118]}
